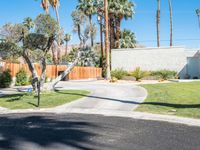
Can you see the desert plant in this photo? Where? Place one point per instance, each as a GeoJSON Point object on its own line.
{"type": "Point", "coordinates": [118, 73]}
{"type": "Point", "coordinates": [139, 74]}
{"type": "Point", "coordinates": [5, 79]}
{"type": "Point", "coordinates": [165, 74]}
{"type": "Point", "coordinates": [21, 78]}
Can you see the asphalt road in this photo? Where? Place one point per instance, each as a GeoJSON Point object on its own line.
{"type": "Point", "coordinates": [92, 132]}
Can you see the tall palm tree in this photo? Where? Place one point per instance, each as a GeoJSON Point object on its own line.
{"type": "Point", "coordinates": [28, 22]}
{"type": "Point", "coordinates": [88, 7]}
{"type": "Point", "coordinates": [55, 4]}
{"type": "Point", "coordinates": [45, 5]}
{"type": "Point", "coordinates": [171, 23]}
{"type": "Point", "coordinates": [158, 23]}
{"type": "Point", "coordinates": [67, 39]}
{"type": "Point", "coordinates": [198, 15]}
{"type": "Point", "coordinates": [107, 44]}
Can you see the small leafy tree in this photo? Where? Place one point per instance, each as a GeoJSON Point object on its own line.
{"type": "Point", "coordinates": [21, 78]}
{"type": "Point", "coordinates": [5, 79]}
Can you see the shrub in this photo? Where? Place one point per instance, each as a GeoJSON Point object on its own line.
{"type": "Point", "coordinates": [118, 73]}
{"type": "Point", "coordinates": [21, 78]}
{"type": "Point", "coordinates": [5, 79]}
{"type": "Point", "coordinates": [139, 74]}
{"type": "Point", "coordinates": [165, 74]}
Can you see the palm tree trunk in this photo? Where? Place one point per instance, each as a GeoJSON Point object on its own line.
{"type": "Point", "coordinates": [107, 43]}
{"type": "Point", "coordinates": [57, 16]}
{"type": "Point", "coordinates": [198, 20]}
{"type": "Point", "coordinates": [101, 41]}
{"type": "Point", "coordinates": [59, 37]}
{"type": "Point", "coordinates": [158, 23]}
{"type": "Point", "coordinates": [112, 32]}
{"type": "Point", "coordinates": [171, 23]}
{"type": "Point", "coordinates": [118, 32]}
{"type": "Point", "coordinates": [91, 36]}
{"type": "Point", "coordinates": [66, 49]}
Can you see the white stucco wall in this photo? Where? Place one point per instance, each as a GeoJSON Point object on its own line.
{"type": "Point", "coordinates": [151, 59]}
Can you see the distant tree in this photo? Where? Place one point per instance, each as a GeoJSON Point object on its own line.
{"type": "Point", "coordinates": [67, 38]}
{"type": "Point", "coordinates": [88, 7]}
{"type": "Point", "coordinates": [128, 39]}
{"type": "Point", "coordinates": [28, 22]}
{"type": "Point", "coordinates": [198, 15]}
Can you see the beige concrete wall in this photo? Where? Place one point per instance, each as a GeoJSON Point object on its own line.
{"type": "Point", "coordinates": [151, 59]}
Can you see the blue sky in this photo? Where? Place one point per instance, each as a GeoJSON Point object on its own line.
{"type": "Point", "coordinates": [186, 31]}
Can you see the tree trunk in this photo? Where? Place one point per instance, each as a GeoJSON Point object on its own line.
{"type": "Point", "coordinates": [66, 72]}
{"type": "Point", "coordinates": [32, 70]}
{"type": "Point", "coordinates": [66, 49]}
{"type": "Point", "coordinates": [107, 43]}
{"type": "Point", "coordinates": [91, 36]}
{"type": "Point", "coordinates": [54, 50]}
{"type": "Point", "coordinates": [59, 37]}
{"type": "Point", "coordinates": [158, 23]}
{"type": "Point", "coordinates": [112, 32]}
{"type": "Point", "coordinates": [198, 19]}
{"type": "Point", "coordinates": [101, 41]}
{"type": "Point", "coordinates": [171, 23]}
{"type": "Point", "coordinates": [118, 32]}
{"type": "Point", "coordinates": [43, 75]}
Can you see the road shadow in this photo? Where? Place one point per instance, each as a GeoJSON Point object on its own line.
{"type": "Point", "coordinates": [45, 131]}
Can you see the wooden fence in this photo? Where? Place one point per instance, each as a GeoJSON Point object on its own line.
{"type": "Point", "coordinates": [53, 71]}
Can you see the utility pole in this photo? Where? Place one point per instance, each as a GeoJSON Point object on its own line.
{"type": "Point", "coordinates": [107, 42]}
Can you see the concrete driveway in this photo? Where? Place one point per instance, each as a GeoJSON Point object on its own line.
{"type": "Point", "coordinates": [105, 96]}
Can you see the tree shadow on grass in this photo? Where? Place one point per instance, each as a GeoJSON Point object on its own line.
{"type": "Point", "coordinates": [13, 97]}
{"type": "Point", "coordinates": [172, 105]}
{"type": "Point", "coordinates": [45, 131]}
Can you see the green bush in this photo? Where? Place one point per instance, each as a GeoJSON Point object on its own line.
{"type": "Point", "coordinates": [21, 78]}
{"type": "Point", "coordinates": [139, 74]}
{"type": "Point", "coordinates": [165, 74]}
{"type": "Point", "coordinates": [118, 73]}
{"type": "Point", "coordinates": [5, 79]}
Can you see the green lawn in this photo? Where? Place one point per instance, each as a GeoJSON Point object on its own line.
{"type": "Point", "coordinates": [181, 99]}
{"type": "Point", "coordinates": [48, 99]}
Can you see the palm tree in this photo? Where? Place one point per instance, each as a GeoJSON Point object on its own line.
{"type": "Point", "coordinates": [67, 39]}
{"type": "Point", "coordinates": [128, 39]}
{"type": "Point", "coordinates": [171, 23]}
{"type": "Point", "coordinates": [198, 15]}
{"type": "Point", "coordinates": [55, 4]}
{"type": "Point", "coordinates": [28, 22]}
{"type": "Point", "coordinates": [88, 8]}
{"type": "Point", "coordinates": [45, 5]}
{"type": "Point", "coordinates": [158, 23]}
{"type": "Point", "coordinates": [121, 9]}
